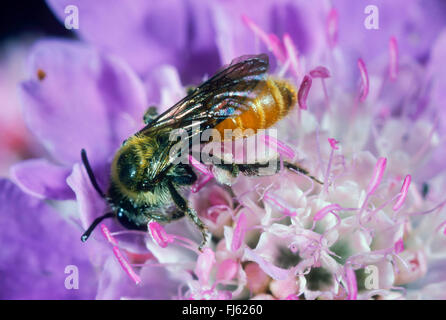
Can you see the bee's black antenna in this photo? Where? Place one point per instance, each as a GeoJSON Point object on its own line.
{"type": "Point", "coordinates": [95, 224]}
{"type": "Point", "coordinates": [91, 174]}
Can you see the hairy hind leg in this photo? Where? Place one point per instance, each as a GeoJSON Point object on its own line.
{"type": "Point", "coordinates": [261, 169]}
{"type": "Point", "coordinates": [181, 203]}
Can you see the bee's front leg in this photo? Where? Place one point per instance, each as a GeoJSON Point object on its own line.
{"type": "Point", "coordinates": [181, 203]}
{"type": "Point", "coordinates": [150, 114]}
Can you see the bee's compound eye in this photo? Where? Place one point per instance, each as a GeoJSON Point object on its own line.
{"type": "Point", "coordinates": [128, 166]}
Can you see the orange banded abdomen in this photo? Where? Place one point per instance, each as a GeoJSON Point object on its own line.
{"type": "Point", "coordinates": [272, 103]}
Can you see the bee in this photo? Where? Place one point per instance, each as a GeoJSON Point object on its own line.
{"type": "Point", "coordinates": [146, 185]}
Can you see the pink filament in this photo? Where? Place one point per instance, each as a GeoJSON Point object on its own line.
{"type": "Point", "coordinates": [291, 53]}
{"type": "Point", "coordinates": [399, 246]}
{"type": "Point", "coordinates": [256, 29]}
{"type": "Point", "coordinates": [403, 193]}
{"type": "Point", "coordinates": [320, 72]}
{"type": "Point", "coordinates": [333, 143]}
{"type": "Point", "coordinates": [302, 94]}
{"type": "Point", "coordinates": [201, 182]}
{"type": "Point", "coordinates": [393, 52]}
{"type": "Point", "coordinates": [107, 234]}
{"type": "Point", "coordinates": [325, 210]}
{"type": "Point", "coordinates": [277, 47]}
{"type": "Point", "coordinates": [125, 265]}
{"type": "Point", "coordinates": [199, 166]}
{"type": "Point", "coordinates": [351, 284]}
{"type": "Point", "coordinates": [277, 202]}
{"type": "Point", "coordinates": [442, 225]}
{"type": "Point", "coordinates": [159, 235]}
{"type": "Point", "coordinates": [377, 175]}
{"type": "Point", "coordinates": [121, 259]}
{"type": "Point", "coordinates": [205, 262]}
{"type": "Point", "coordinates": [239, 232]}
{"type": "Point", "coordinates": [292, 297]}
{"type": "Point", "coordinates": [271, 41]}
{"type": "Point", "coordinates": [277, 145]}
{"type": "Point", "coordinates": [332, 27]}
{"type": "Point", "coordinates": [364, 80]}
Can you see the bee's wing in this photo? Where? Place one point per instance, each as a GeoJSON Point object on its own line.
{"type": "Point", "coordinates": [223, 96]}
{"type": "Point", "coordinates": [220, 97]}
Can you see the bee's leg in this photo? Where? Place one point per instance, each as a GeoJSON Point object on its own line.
{"type": "Point", "coordinates": [150, 114]}
{"type": "Point", "coordinates": [183, 175]}
{"type": "Point", "coordinates": [297, 168]}
{"type": "Point", "coordinates": [261, 169]}
{"type": "Point", "coordinates": [192, 214]}
{"type": "Point", "coordinates": [177, 215]}
{"type": "Point", "coordinates": [181, 203]}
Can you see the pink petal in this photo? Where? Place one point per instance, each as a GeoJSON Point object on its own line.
{"type": "Point", "coordinates": [239, 232]}
{"type": "Point", "coordinates": [227, 270]}
{"type": "Point", "coordinates": [205, 262]}
{"type": "Point", "coordinates": [270, 269]}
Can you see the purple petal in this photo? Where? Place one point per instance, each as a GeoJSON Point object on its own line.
{"type": "Point", "coordinates": [90, 204]}
{"type": "Point", "coordinates": [149, 33]}
{"type": "Point", "coordinates": [85, 100]}
{"type": "Point", "coordinates": [42, 179]}
{"type": "Point", "coordinates": [37, 247]}
{"type": "Point", "coordinates": [155, 285]}
{"type": "Point", "coordinates": [303, 21]}
{"type": "Point", "coordinates": [409, 26]}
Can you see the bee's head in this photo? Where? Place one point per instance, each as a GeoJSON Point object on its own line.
{"type": "Point", "coordinates": [130, 167]}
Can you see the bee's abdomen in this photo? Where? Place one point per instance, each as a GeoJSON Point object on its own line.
{"type": "Point", "coordinates": [272, 103]}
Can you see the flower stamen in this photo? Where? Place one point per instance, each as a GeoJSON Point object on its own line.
{"type": "Point", "coordinates": [277, 145]}
{"type": "Point", "coordinates": [292, 54]}
{"type": "Point", "coordinates": [332, 28]}
{"type": "Point", "coordinates": [403, 193]}
{"type": "Point", "coordinates": [393, 64]}
{"type": "Point", "coordinates": [302, 94]}
{"type": "Point", "coordinates": [364, 90]}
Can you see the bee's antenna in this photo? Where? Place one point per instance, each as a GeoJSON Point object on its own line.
{"type": "Point", "coordinates": [91, 174]}
{"type": "Point", "coordinates": [95, 224]}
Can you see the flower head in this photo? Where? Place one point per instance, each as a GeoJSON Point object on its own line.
{"type": "Point", "coordinates": [365, 205]}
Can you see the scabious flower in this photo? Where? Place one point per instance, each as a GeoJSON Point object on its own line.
{"type": "Point", "coordinates": [368, 124]}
